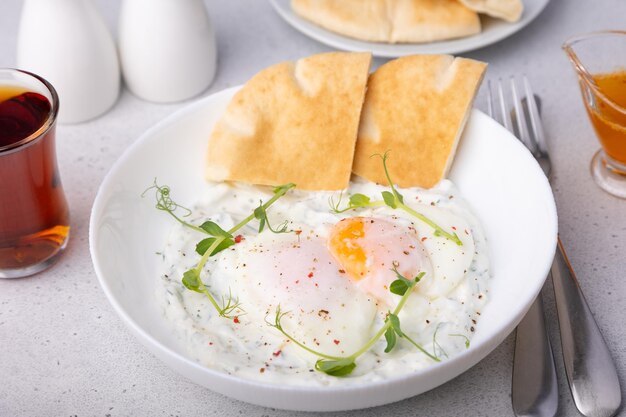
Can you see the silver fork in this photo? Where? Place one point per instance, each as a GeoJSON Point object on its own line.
{"type": "Point", "coordinates": [590, 370]}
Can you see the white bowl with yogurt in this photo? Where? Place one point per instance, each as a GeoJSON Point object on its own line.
{"type": "Point", "coordinates": [494, 173]}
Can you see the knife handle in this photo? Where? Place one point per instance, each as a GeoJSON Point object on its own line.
{"type": "Point", "coordinates": [534, 387]}
{"type": "Point", "coordinates": [590, 370]}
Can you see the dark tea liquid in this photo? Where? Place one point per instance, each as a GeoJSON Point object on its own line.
{"type": "Point", "coordinates": [34, 217]}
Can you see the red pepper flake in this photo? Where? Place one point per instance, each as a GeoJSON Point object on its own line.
{"type": "Point", "coordinates": [453, 228]}
{"type": "Point", "coordinates": [238, 238]}
{"type": "Point", "coordinates": [236, 320]}
{"type": "Point", "coordinates": [277, 353]}
{"type": "Point", "coordinates": [316, 284]}
{"type": "Point", "coordinates": [210, 343]}
{"type": "Point", "coordinates": [310, 275]}
{"type": "Point", "coordinates": [297, 281]}
{"type": "Point", "coordinates": [298, 232]}
{"type": "Point", "coordinates": [336, 341]}
{"type": "Point", "coordinates": [424, 238]}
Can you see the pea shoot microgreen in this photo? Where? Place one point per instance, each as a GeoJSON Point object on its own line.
{"type": "Point", "coordinates": [355, 201]}
{"type": "Point", "coordinates": [392, 199]}
{"type": "Point", "coordinates": [261, 215]}
{"type": "Point", "coordinates": [437, 346]}
{"type": "Point", "coordinates": [219, 240]}
{"type": "Point", "coordinates": [344, 365]}
{"type": "Point", "coordinates": [467, 341]}
{"type": "Point", "coordinates": [165, 203]}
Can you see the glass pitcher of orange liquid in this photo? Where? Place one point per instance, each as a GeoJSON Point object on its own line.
{"type": "Point", "coordinates": [600, 62]}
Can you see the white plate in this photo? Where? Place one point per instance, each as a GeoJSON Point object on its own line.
{"type": "Point", "coordinates": [493, 31]}
{"type": "Point", "coordinates": [494, 172]}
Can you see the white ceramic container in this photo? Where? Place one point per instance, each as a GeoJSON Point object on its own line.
{"type": "Point", "coordinates": [68, 43]}
{"type": "Point", "coordinates": [167, 48]}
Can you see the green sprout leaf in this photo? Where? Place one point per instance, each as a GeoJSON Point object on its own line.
{"type": "Point", "coordinates": [333, 367]}
{"type": "Point", "coordinates": [395, 324]}
{"type": "Point", "coordinates": [191, 280]}
{"type": "Point", "coordinates": [214, 229]}
{"type": "Point", "coordinates": [389, 199]}
{"type": "Point", "coordinates": [205, 244]}
{"type": "Point", "coordinates": [355, 201]}
{"type": "Point", "coordinates": [359, 200]}
{"type": "Point", "coordinates": [390, 337]}
{"type": "Point", "coordinates": [399, 287]}
{"type": "Point", "coordinates": [261, 216]}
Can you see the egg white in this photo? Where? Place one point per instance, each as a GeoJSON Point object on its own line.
{"type": "Point", "coordinates": [324, 309]}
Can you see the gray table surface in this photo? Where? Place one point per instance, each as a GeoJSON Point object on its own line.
{"type": "Point", "coordinates": [64, 351]}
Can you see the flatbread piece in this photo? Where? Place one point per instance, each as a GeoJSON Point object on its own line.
{"type": "Point", "coordinates": [391, 20]}
{"type": "Point", "coordinates": [509, 10]}
{"type": "Point", "coordinates": [416, 108]}
{"type": "Point", "coordinates": [293, 122]}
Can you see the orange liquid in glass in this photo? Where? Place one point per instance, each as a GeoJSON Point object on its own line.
{"type": "Point", "coordinates": [609, 122]}
{"type": "Point", "coordinates": [34, 217]}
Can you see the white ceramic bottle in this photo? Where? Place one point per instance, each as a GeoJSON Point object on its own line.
{"type": "Point", "coordinates": [167, 48]}
{"type": "Point", "coordinates": [68, 43]}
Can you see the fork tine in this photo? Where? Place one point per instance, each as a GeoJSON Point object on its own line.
{"type": "Point", "coordinates": [504, 108]}
{"type": "Point", "coordinates": [535, 120]}
{"type": "Point", "coordinates": [489, 100]}
{"type": "Point", "coordinates": [520, 117]}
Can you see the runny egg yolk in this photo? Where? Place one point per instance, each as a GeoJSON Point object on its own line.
{"type": "Point", "coordinates": [344, 244]}
{"type": "Point", "coordinates": [369, 248]}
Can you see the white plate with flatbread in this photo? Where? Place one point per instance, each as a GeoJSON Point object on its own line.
{"type": "Point", "coordinates": [493, 30]}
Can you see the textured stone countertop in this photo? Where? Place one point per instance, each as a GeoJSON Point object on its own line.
{"type": "Point", "coordinates": [64, 351]}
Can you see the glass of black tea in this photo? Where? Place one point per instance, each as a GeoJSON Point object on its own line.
{"type": "Point", "coordinates": [34, 217]}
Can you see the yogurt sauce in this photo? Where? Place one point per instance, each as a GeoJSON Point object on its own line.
{"type": "Point", "coordinates": [441, 315]}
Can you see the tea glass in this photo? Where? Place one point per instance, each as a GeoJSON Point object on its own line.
{"type": "Point", "coordinates": [34, 216]}
{"type": "Point", "coordinates": [600, 62]}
